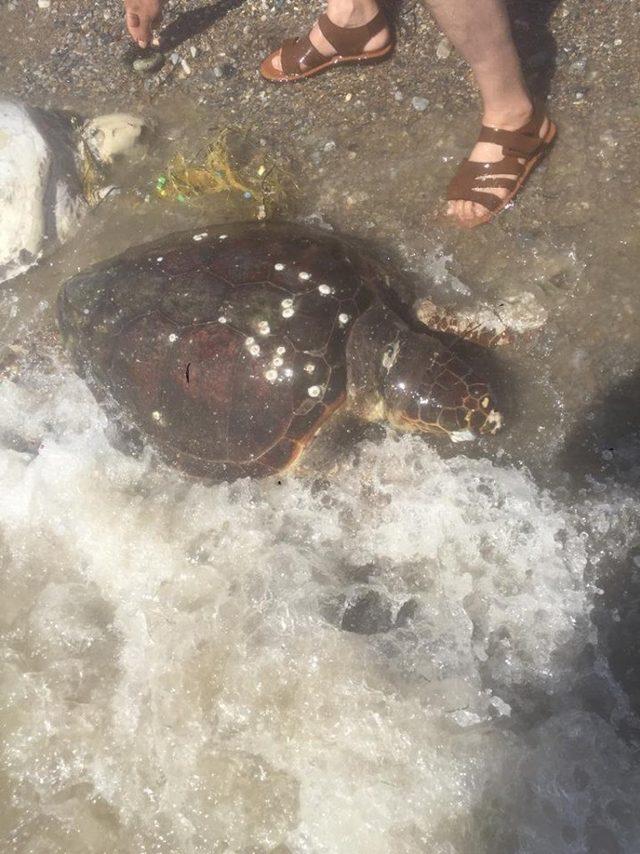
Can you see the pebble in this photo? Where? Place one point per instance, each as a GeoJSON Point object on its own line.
{"type": "Point", "coordinates": [443, 51]}
{"type": "Point", "coordinates": [149, 63]}
{"type": "Point", "coordinates": [44, 4]}
{"type": "Point", "coordinates": [419, 104]}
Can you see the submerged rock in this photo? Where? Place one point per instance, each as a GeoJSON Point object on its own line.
{"type": "Point", "coordinates": [45, 158]}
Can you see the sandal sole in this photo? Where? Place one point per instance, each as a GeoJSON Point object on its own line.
{"type": "Point", "coordinates": [370, 57]}
{"type": "Point", "coordinates": [548, 139]}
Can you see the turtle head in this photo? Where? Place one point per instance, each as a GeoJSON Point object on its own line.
{"type": "Point", "coordinates": [414, 381]}
{"type": "Point", "coordinates": [427, 388]}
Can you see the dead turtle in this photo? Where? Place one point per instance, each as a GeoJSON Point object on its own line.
{"type": "Point", "coordinates": [231, 348]}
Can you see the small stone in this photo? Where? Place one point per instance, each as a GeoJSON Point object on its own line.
{"type": "Point", "coordinates": [419, 104]}
{"type": "Point", "coordinates": [148, 63]}
{"type": "Point", "coordinates": [329, 146]}
{"type": "Point", "coordinates": [193, 50]}
{"type": "Point", "coordinates": [443, 51]}
{"type": "Point", "coordinates": [175, 58]}
{"type": "Point", "coordinates": [44, 4]}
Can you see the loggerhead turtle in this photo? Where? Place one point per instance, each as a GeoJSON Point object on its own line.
{"type": "Point", "coordinates": [231, 348]}
{"type": "Point", "coordinates": [45, 157]}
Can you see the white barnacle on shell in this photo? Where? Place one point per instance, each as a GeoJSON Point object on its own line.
{"type": "Point", "coordinates": [157, 416]}
{"type": "Point", "coordinates": [271, 375]}
{"type": "Point", "coordinates": [173, 337]}
{"type": "Point", "coordinates": [222, 319]}
{"type": "Point", "coordinates": [201, 236]}
{"type": "Point", "coordinates": [281, 350]}
{"type": "Point", "coordinates": [288, 372]}
{"type": "Point", "coordinates": [343, 319]}
{"type": "Point", "coordinates": [249, 341]}
{"type": "Point", "coordinates": [309, 367]}
{"type": "Point", "coordinates": [254, 350]}
{"type": "Point", "coordinates": [288, 312]}
{"type": "Point", "coordinates": [304, 277]}
{"type": "Point", "coordinates": [325, 290]}
{"type": "Point", "coordinates": [223, 237]}
{"type": "Point", "coordinates": [263, 327]}
{"type": "Point", "coordinates": [287, 303]}
{"type": "Point", "coordinates": [314, 391]}
{"type": "Point", "coordinates": [277, 362]}
{"type": "Point", "coordinates": [279, 267]}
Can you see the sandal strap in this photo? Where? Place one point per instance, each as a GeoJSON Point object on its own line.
{"type": "Point", "coordinates": [519, 145]}
{"type": "Point", "coordinates": [471, 176]}
{"type": "Point", "coordinates": [523, 142]}
{"type": "Point", "coordinates": [296, 53]}
{"type": "Point", "coordinates": [351, 41]}
{"type": "Point", "coordinates": [513, 142]}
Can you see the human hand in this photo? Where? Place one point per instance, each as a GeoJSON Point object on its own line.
{"type": "Point", "coordinates": [142, 16]}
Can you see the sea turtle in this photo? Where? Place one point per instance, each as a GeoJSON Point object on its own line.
{"type": "Point", "coordinates": [45, 160]}
{"type": "Point", "coordinates": [230, 348]}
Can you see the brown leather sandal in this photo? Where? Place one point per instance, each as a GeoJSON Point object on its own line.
{"type": "Point", "coordinates": [300, 59]}
{"type": "Point", "coordinates": [522, 150]}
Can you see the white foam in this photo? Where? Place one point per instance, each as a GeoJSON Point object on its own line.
{"type": "Point", "coordinates": [178, 676]}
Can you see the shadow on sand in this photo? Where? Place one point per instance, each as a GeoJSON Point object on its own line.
{"type": "Point", "coordinates": [194, 22]}
{"type": "Point", "coordinates": [535, 42]}
{"type": "Point", "coordinates": [606, 445]}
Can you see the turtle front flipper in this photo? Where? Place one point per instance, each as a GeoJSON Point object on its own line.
{"type": "Point", "coordinates": [484, 326]}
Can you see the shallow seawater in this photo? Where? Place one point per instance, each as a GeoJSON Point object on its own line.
{"type": "Point", "coordinates": [408, 652]}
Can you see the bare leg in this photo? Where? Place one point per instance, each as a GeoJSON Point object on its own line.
{"type": "Point", "coordinates": [346, 13]}
{"type": "Point", "coordinates": [480, 30]}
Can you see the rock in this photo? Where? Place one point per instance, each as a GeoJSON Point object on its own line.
{"type": "Point", "coordinates": [443, 51]}
{"type": "Point", "coordinates": [110, 136]}
{"type": "Point", "coordinates": [368, 613]}
{"type": "Point", "coordinates": [419, 104]}
{"type": "Point", "coordinates": [150, 62]}
{"type": "Point", "coordinates": [43, 158]}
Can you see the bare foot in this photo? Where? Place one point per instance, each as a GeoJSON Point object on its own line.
{"type": "Point", "coordinates": [467, 213]}
{"type": "Point", "coordinates": [345, 14]}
